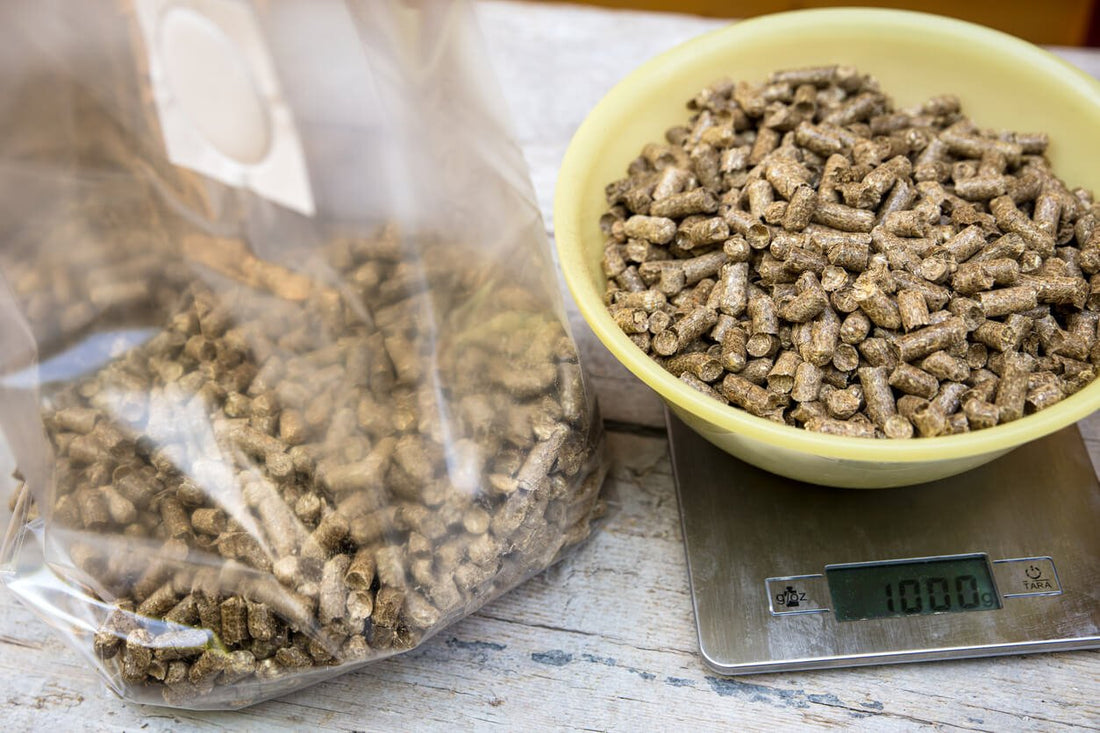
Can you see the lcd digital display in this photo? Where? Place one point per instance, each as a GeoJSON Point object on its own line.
{"type": "Point", "coordinates": [912, 587]}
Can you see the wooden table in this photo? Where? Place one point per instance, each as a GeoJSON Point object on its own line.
{"type": "Point", "coordinates": [606, 639]}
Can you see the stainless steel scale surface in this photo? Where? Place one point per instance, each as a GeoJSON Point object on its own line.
{"type": "Point", "coordinates": [1004, 559]}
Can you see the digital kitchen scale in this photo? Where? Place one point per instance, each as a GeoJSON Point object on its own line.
{"type": "Point", "coordinates": [1004, 559]}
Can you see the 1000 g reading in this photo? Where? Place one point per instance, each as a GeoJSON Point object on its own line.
{"type": "Point", "coordinates": [936, 595]}
{"type": "Point", "coordinates": [921, 586]}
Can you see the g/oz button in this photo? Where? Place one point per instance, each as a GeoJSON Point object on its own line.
{"type": "Point", "coordinates": [797, 594]}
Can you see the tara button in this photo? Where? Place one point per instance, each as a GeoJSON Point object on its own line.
{"type": "Point", "coordinates": [1027, 576]}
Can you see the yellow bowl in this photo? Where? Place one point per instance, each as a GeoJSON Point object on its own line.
{"type": "Point", "coordinates": [1003, 82]}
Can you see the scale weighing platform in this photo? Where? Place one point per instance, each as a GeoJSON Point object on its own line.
{"type": "Point", "coordinates": [1004, 559]}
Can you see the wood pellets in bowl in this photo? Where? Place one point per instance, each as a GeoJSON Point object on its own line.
{"type": "Point", "coordinates": [803, 250]}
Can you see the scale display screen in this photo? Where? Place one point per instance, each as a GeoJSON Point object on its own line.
{"type": "Point", "coordinates": [912, 587]}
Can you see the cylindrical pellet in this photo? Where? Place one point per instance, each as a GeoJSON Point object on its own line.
{"type": "Point", "coordinates": [1003, 301]}
{"type": "Point", "coordinates": [846, 428]}
{"type": "Point", "coordinates": [898, 427]}
{"type": "Point", "coordinates": [843, 217]}
{"type": "Point", "coordinates": [855, 327]}
{"type": "Point", "coordinates": [807, 383]}
{"type": "Point", "coordinates": [755, 232]}
{"type": "Point", "coordinates": [965, 244]}
{"type": "Point", "coordinates": [878, 352]}
{"type": "Point", "coordinates": [732, 353]}
{"type": "Point", "coordinates": [913, 309]}
{"type": "Point", "coordinates": [698, 364]}
{"type": "Point", "coordinates": [944, 366]}
{"type": "Point", "coordinates": [800, 209]}
{"type": "Point", "coordinates": [659, 230]}
{"type": "Point", "coordinates": [877, 305]}
{"type": "Point", "coordinates": [929, 420]}
{"type": "Point", "coordinates": [808, 304]}
{"type": "Point", "coordinates": [1012, 390]}
{"type": "Point", "coordinates": [924, 341]}
{"type": "Point", "coordinates": [843, 403]}
{"type": "Point", "coordinates": [746, 395]}
{"type": "Point", "coordinates": [781, 376]}
{"type": "Point", "coordinates": [1011, 219]}
{"type": "Point", "coordinates": [732, 286]}
{"type": "Point", "coordinates": [980, 413]}
{"type": "Point", "coordinates": [911, 380]}
{"type": "Point", "coordinates": [876, 393]}
{"type": "Point", "coordinates": [699, 385]}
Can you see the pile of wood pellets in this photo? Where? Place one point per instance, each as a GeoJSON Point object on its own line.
{"type": "Point", "coordinates": [291, 477]}
{"type": "Point", "coordinates": [804, 251]}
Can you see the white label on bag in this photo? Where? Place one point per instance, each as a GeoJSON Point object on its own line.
{"type": "Point", "coordinates": [218, 99]}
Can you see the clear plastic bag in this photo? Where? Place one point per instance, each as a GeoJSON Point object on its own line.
{"type": "Point", "coordinates": [283, 362]}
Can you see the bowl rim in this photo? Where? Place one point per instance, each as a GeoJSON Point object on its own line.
{"type": "Point", "coordinates": [586, 143]}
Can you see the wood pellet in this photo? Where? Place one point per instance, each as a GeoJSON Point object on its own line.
{"type": "Point", "coordinates": [273, 486]}
{"type": "Point", "coordinates": [831, 258]}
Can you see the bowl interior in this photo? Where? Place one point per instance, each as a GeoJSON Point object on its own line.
{"type": "Point", "coordinates": [1003, 82]}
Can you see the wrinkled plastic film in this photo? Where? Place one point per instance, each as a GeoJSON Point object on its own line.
{"type": "Point", "coordinates": [266, 439]}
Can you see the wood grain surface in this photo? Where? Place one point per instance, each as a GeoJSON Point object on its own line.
{"type": "Point", "coordinates": [605, 640]}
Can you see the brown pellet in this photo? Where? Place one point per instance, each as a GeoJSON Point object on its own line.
{"type": "Point", "coordinates": [912, 380]}
{"type": "Point", "coordinates": [913, 309]}
{"type": "Point", "coordinates": [844, 218]}
{"type": "Point", "coordinates": [898, 427]}
{"type": "Point", "coordinates": [971, 278]}
{"type": "Point", "coordinates": [807, 383]}
{"type": "Point", "coordinates": [845, 357]}
{"type": "Point", "coordinates": [684, 331]}
{"type": "Point", "coordinates": [929, 420]}
{"type": "Point", "coordinates": [756, 370]}
{"type": "Point", "coordinates": [969, 310]}
{"type": "Point", "coordinates": [760, 195]}
{"type": "Point", "coordinates": [631, 320]}
{"type": "Point", "coordinates": [846, 428]}
{"type": "Point", "coordinates": [1012, 389]}
{"type": "Point", "coordinates": [748, 396]}
{"type": "Point", "coordinates": [965, 244]}
{"type": "Point", "coordinates": [843, 403]}
{"type": "Point", "coordinates": [699, 385]}
{"type": "Point", "coordinates": [766, 141]}
{"type": "Point", "coordinates": [733, 349]}
{"type": "Point", "coordinates": [808, 304]}
{"type": "Point", "coordinates": [699, 364]}
{"type": "Point", "coordinates": [730, 294]}
{"type": "Point", "coordinates": [876, 393]}
{"type": "Point", "coordinates": [1001, 302]}
{"type": "Point", "coordinates": [1010, 246]}
{"type": "Point", "coordinates": [878, 353]}
{"type": "Point", "coordinates": [1005, 336]}
{"type": "Point", "coordinates": [981, 414]}
{"type": "Point", "coordinates": [802, 259]}
{"type": "Point", "coordinates": [648, 300]}
{"type": "Point", "coordinates": [855, 327]}
{"type": "Point", "coordinates": [684, 203]}
{"type": "Point", "coordinates": [1060, 290]}
{"type": "Point", "coordinates": [945, 367]}
{"type": "Point", "coordinates": [781, 376]}
{"type": "Point", "coordinates": [877, 305]}
{"type": "Point", "coordinates": [931, 338]}
{"type": "Point", "coordinates": [762, 313]}
{"type": "Point", "coordinates": [659, 230]}
{"type": "Point", "coordinates": [800, 209]}
{"type": "Point", "coordinates": [1011, 219]}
